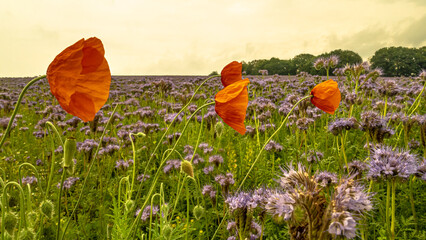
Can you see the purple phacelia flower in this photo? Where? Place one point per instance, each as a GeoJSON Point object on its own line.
{"type": "Point", "coordinates": [386, 163]}
{"type": "Point", "coordinates": [216, 159]}
{"type": "Point", "coordinates": [68, 183]}
{"type": "Point", "coordinates": [31, 180]}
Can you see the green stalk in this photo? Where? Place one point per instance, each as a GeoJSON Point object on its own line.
{"type": "Point", "coordinates": [187, 211]}
{"type": "Point", "coordinates": [120, 184]}
{"type": "Point", "coordinates": [179, 190]}
{"type": "Point", "coordinates": [258, 157]}
{"type": "Point", "coordinates": [48, 123]}
{"type": "Point", "coordinates": [88, 172]}
{"type": "Point", "coordinates": [150, 214]}
{"type": "Point", "coordinates": [35, 171]}
{"type": "Point", "coordinates": [344, 153]}
{"type": "Point", "coordinates": [269, 139]}
{"type": "Point", "coordinates": [21, 206]}
{"type": "Point", "coordinates": [388, 192]}
{"type": "Point", "coordinates": [386, 103]}
{"type": "Point", "coordinates": [167, 130]}
{"type": "Point", "coordinates": [306, 145]}
{"type": "Point", "coordinates": [134, 159]}
{"type": "Point", "coordinates": [415, 103]}
{"type": "Point", "coordinates": [393, 210]}
{"type": "Point", "coordinates": [413, 207]}
{"type": "Point", "coordinates": [164, 159]}
{"type": "Point", "coordinates": [59, 204]}
{"type": "Point", "coordinates": [18, 103]}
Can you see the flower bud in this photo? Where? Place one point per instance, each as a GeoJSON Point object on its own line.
{"type": "Point", "coordinates": [186, 167]}
{"type": "Point", "coordinates": [218, 128]}
{"type": "Point", "coordinates": [129, 205]}
{"type": "Point", "coordinates": [31, 217]}
{"type": "Point", "coordinates": [10, 221]}
{"type": "Point", "coordinates": [140, 134]}
{"type": "Point", "coordinates": [26, 234]}
{"type": "Point", "coordinates": [167, 231]}
{"type": "Point", "coordinates": [70, 147]}
{"type": "Point", "coordinates": [47, 208]}
{"type": "Point", "coordinates": [198, 212]}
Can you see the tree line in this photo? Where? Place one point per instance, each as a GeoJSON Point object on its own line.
{"type": "Point", "coordinates": [393, 61]}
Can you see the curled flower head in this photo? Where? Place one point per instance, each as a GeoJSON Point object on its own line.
{"type": "Point", "coordinates": [79, 78]}
{"type": "Point", "coordinates": [326, 96]}
{"type": "Point", "coordinates": [232, 101]}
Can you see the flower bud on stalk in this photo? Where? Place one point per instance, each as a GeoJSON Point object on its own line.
{"type": "Point", "coordinates": [198, 212]}
{"type": "Point", "coordinates": [70, 147]}
{"type": "Point", "coordinates": [186, 167]}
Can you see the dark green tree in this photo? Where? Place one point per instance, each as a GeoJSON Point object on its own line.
{"type": "Point", "coordinates": [303, 63]}
{"type": "Point", "coordinates": [399, 61]}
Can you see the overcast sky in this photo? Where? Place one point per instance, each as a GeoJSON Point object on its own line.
{"type": "Point", "coordinates": [189, 37]}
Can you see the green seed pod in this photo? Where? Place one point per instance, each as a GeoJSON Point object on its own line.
{"type": "Point", "coordinates": [47, 208]}
{"type": "Point", "coordinates": [186, 167]}
{"type": "Point", "coordinates": [129, 205]}
{"type": "Point", "coordinates": [70, 147]}
{"type": "Point", "coordinates": [167, 231]}
{"type": "Point", "coordinates": [218, 128]}
{"type": "Point", "coordinates": [26, 234]}
{"type": "Point", "coordinates": [10, 221]}
{"type": "Point", "coordinates": [198, 212]}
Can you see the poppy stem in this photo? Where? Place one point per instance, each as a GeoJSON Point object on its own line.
{"type": "Point", "coordinates": [58, 230]}
{"type": "Point", "coordinates": [18, 103]}
{"type": "Point", "coordinates": [269, 139]}
{"type": "Point", "coordinates": [4, 205]}
{"type": "Point", "coordinates": [163, 160]}
{"type": "Point", "coordinates": [167, 130]}
{"type": "Point", "coordinates": [88, 172]}
{"type": "Point", "coordinates": [415, 103]}
{"type": "Point", "coordinates": [392, 229]}
{"type": "Point", "coordinates": [258, 157]}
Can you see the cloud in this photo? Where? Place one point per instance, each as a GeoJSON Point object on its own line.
{"type": "Point", "coordinates": [415, 34]}
{"type": "Point", "coordinates": [373, 38]}
{"type": "Point", "coordinates": [364, 42]}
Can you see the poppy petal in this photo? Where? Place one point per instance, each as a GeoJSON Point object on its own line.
{"type": "Point", "coordinates": [79, 78]}
{"type": "Point", "coordinates": [231, 105]}
{"type": "Point", "coordinates": [231, 73]}
{"type": "Point", "coordinates": [326, 96]}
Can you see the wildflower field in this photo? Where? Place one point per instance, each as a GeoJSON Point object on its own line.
{"type": "Point", "coordinates": [211, 157]}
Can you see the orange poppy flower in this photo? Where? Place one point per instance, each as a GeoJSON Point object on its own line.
{"type": "Point", "coordinates": [326, 96]}
{"type": "Point", "coordinates": [79, 78]}
{"type": "Point", "coordinates": [231, 73]}
{"type": "Point", "coordinates": [232, 101]}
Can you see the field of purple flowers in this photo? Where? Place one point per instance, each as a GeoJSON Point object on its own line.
{"type": "Point", "coordinates": [163, 166]}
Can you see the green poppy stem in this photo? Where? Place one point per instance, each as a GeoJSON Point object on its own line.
{"type": "Point", "coordinates": [269, 139]}
{"type": "Point", "coordinates": [18, 103]}
{"type": "Point", "coordinates": [258, 157]}
{"type": "Point", "coordinates": [59, 203]}
{"type": "Point", "coordinates": [392, 229]}
{"type": "Point", "coordinates": [163, 160]}
{"type": "Point", "coordinates": [88, 172]}
{"type": "Point", "coordinates": [4, 205]}
{"type": "Point", "coordinates": [167, 130]}
{"type": "Point", "coordinates": [388, 192]}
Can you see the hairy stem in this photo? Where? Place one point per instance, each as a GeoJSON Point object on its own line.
{"type": "Point", "coordinates": [18, 103]}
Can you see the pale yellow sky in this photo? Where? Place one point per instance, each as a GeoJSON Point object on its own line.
{"type": "Point", "coordinates": [189, 37]}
